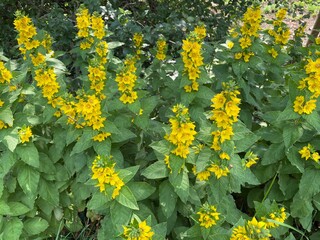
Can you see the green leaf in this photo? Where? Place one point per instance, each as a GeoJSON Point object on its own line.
{"type": "Point", "coordinates": [300, 207]}
{"type": "Point", "coordinates": [98, 201]}
{"type": "Point", "coordinates": [243, 137]}
{"type": "Point", "coordinates": [288, 114]}
{"type": "Point", "coordinates": [124, 135]}
{"type": "Point", "coordinates": [28, 179]}
{"type": "Point", "coordinates": [11, 141]}
{"type": "Point", "coordinates": [142, 190]}
{"type": "Point", "coordinates": [120, 215]}
{"type": "Point", "coordinates": [6, 116]}
{"type": "Point", "coordinates": [18, 208]}
{"type": "Point", "coordinates": [49, 192]}
{"type": "Point", "coordinates": [4, 208]}
{"type": "Point", "coordinates": [180, 184]}
{"type": "Point", "coordinates": [291, 134]}
{"type": "Point", "coordinates": [12, 229]}
{"type": "Point", "coordinates": [84, 142]}
{"type": "Point", "coordinates": [293, 156]}
{"type": "Point", "coordinates": [29, 154]}
{"type": "Point", "coordinates": [127, 199]}
{"type": "Point", "coordinates": [112, 45]}
{"type": "Point", "coordinates": [161, 147]}
{"type": "Point", "coordinates": [167, 198]}
{"type": "Point", "coordinates": [160, 231]}
{"type": "Point", "coordinates": [156, 170]}
{"type": "Point", "coordinates": [35, 225]}
{"type": "Point", "coordinates": [102, 148]}
{"type": "Point", "coordinates": [274, 153]}
{"type": "Point", "coordinates": [313, 120]}
{"type": "Point", "coordinates": [128, 173]}
{"type": "Point", "coordinates": [6, 163]}
{"type": "Point", "coordinates": [309, 183]}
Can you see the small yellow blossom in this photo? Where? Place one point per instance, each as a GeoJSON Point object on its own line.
{"type": "Point", "coordinates": [25, 134]}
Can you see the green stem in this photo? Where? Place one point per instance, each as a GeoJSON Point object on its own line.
{"type": "Point", "coordinates": [269, 188]}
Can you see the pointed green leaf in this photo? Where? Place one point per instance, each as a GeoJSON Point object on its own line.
{"type": "Point", "coordinates": [83, 143]}
{"type": "Point", "coordinates": [291, 134]}
{"type": "Point", "coordinates": [167, 198]}
{"type": "Point", "coordinates": [274, 153]}
{"type": "Point", "coordinates": [127, 199]}
{"type": "Point", "coordinates": [49, 192]}
{"type": "Point", "coordinates": [35, 225]}
{"type": "Point", "coordinates": [156, 170]}
{"type": "Point", "coordinates": [18, 208]}
{"type": "Point", "coordinates": [12, 229]}
{"type": "Point", "coordinates": [97, 201]}
{"type": "Point", "coordinates": [309, 183]}
{"type": "Point", "coordinates": [180, 184]}
{"type": "Point", "coordinates": [29, 154]}
{"type": "Point", "coordinates": [28, 179]}
{"type": "Point", "coordinates": [142, 190]}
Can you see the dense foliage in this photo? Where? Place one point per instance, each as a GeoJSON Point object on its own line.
{"type": "Point", "coordinates": [133, 133]}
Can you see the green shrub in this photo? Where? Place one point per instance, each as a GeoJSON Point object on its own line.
{"type": "Point", "coordinates": [210, 143]}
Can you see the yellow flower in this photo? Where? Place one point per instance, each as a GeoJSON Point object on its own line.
{"type": "Point", "coordinates": [245, 42]}
{"type": "Point", "coordinates": [230, 44]}
{"type": "Point", "coordinates": [238, 55]}
{"type": "Point", "coordinates": [138, 231]}
{"type": "Point", "coordinates": [305, 152]}
{"type": "Point", "coordinates": [279, 216]}
{"type": "Point", "coordinates": [218, 171]}
{"type": "Point", "coordinates": [25, 133]}
{"type": "Point", "coordinates": [309, 106]}
{"type": "Point", "coordinates": [273, 52]}
{"type": "Point", "coordinates": [208, 215]}
{"type": "Point", "coordinates": [203, 176]}
{"type": "Point", "coordinates": [103, 169]}
{"type": "Point", "coordinates": [101, 136]}
{"type": "Point", "coordinates": [298, 104]}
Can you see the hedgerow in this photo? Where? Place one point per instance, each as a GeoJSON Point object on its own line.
{"type": "Point", "coordinates": [220, 141]}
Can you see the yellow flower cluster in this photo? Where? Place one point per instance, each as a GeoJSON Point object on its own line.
{"type": "Point", "coordinates": [309, 152]}
{"type": "Point", "coordinates": [89, 24]}
{"type": "Point", "coordinates": [83, 22]}
{"type": "Point", "coordinates": [273, 52]}
{"type": "Point", "coordinates": [5, 74]}
{"type": "Point", "coordinates": [182, 131]}
{"type": "Point", "coordinates": [217, 170]}
{"type": "Point", "coordinates": [225, 112]}
{"type": "Point", "coordinates": [26, 32]}
{"type": "Point", "coordinates": [97, 77]}
{"type": "Point", "coordinates": [161, 49]}
{"type": "Point", "coordinates": [312, 86]}
{"type": "Point", "coordinates": [103, 169]}
{"type": "Point", "coordinates": [85, 112]}
{"type": "Point", "coordinates": [126, 80]}
{"type": "Point", "coordinates": [25, 134]}
{"type": "Point", "coordinates": [192, 57]}
{"type": "Point", "coordinates": [280, 31]}
{"type": "Point", "coordinates": [137, 231]}
{"type": "Point", "coordinates": [249, 159]}
{"type": "Point", "coordinates": [208, 215]}
{"type": "Point", "coordinates": [255, 229]}
{"type": "Point", "coordinates": [200, 31]}
{"type": "Point", "coordinates": [47, 80]}
{"type": "Point", "coordinates": [137, 41]}
{"type": "Point", "coordinates": [44, 76]}
{"type": "Point", "coordinates": [249, 31]}
{"type": "Point", "coordinates": [279, 216]}
{"type": "Point", "coordinates": [3, 125]}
